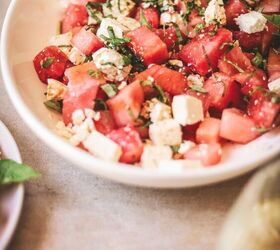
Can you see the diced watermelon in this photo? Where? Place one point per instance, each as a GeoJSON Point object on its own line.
{"type": "Point", "coordinates": [105, 124]}
{"type": "Point", "coordinates": [270, 6]}
{"type": "Point", "coordinates": [151, 15]}
{"type": "Point", "coordinates": [129, 140]}
{"type": "Point", "coordinates": [208, 130]}
{"type": "Point", "coordinates": [273, 64]}
{"type": "Point", "coordinates": [87, 42]}
{"type": "Point", "coordinates": [268, 37]}
{"type": "Point", "coordinates": [234, 8]}
{"type": "Point", "coordinates": [146, 44]}
{"type": "Point", "coordinates": [248, 41]}
{"type": "Point", "coordinates": [237, 126]}
{"type": "Point", "coordinates": [74, 16]}
{"type": "Point", "coordinates": [126, 105]}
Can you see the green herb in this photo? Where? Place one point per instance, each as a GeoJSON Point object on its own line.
{"type": "Point", "coordinates": [126, 60]}
{"type": "Point", "coordinates": [198, 88]}
{"type": "Point", "coordinates": [92, 11]}
{"type": "Point", "coordinates": [119, 6]}
{"type": "Point", "coordinates": [275, 99]}
{"type": "Point", "coordinates": [275, 19]}
{"type": "Point", "coordinates": [93, 73]}
{"type": "Point", "coordinates": [13, 172]}
{"type": "Point", "coordinates": [64, 46]}
{"type": "Point", "coordinates": [262, 129]}
{"type": "Point", "coordinates": [175, 148]}
{"type": "Point", "coordinates": [161, 95]}
{"type": "Point", "coordinates": [201, 11]}
{"type": "Point", "coordinates": [145, 83]}
{"type": "Point", "coordinates": [234, 65]}
{"type": "Point", "coordinates": [110, 89]}
{"type": "Point", "coordinates": [113, 41]}
{"type": "Point", "coordinates": [178, 33]}
{"type": "Point", "coordinates": [229, 45]}
{"type": "Point", "coordinates": [88, 59]}
{"type": "Point", "coordinates": [108, 4]}
{"type": "Point", "coordinates": [199, 27]}
{"type": "Point", "coordinates": [143, 20]}
{"type": "Point", "coordinates": [258, 60]}
{"type": "Point", "coordinates": [99, 104]}
{"type": "Point", "coordinates": [55, 105]}
{"type": "Point", "coordinates": [47, 62]}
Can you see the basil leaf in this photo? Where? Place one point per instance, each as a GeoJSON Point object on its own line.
{"type": "Point", "coordinates": [100, 105]}
{"type": "Point", "coordinates": [47, 62]}
{"type": "Point", "coordinates": [92, 12]}
{"type": "Point", "coordinates": [161, 95]}
{"type": "Point", "coordinates": [93, 73]}
{"type": "Point", "coordinates": [178, 33]}
{"type": "Point", "coordinates": [55, 105]}
{"type": "Point", "coordinates": [262, 129]}
{"type": "Point", "coordinates": [13, 172]}
{"type": "Point", "coordinates": [275, 19]}
{"type": "Point", "coordinates": [143, 20]}
{"type": "Point", "coordinates": [198, 88]}
{"type": "Point", "coordinates": [110, 89]}
{"type": "Point", "coordinates": [275, 99]}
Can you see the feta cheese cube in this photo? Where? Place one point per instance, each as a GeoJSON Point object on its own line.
{"type": "Point", "coordinates": [101, 146]}
{"type": "Point", "coordinates": [166, 132]}
{"type": "Point", "coordinates": [251, 22]}
{"type": "Point", "coordinates": [187, 109]}
{"type": "Point", "coordinates": [76, 57]}
{"type": "Point", "coordinates": [172, 166]}
{"type": "Point", "coordinates": [62, 39]}
{"type": "Point", "coordinates": [195, 79]}
{"type": "Point", "coordinates": [275, 86]}
{"type": "Point", "coordinates": [152, 155]}
{"type": "Point", "coordinates": [109, 22]}
{"type": "Point", "coordinates": [169, 18]}
{"type": "Point", "coordinates": [111, 63]}
{"type": "Point", "coordinates": [185, 147]}
{"type": "Point", "coordinates": [215, 11]}
{"type": "Point", "coordinates": [128, 23]}
{"type": "Point", "coordinates": [117, 8]}
{"type": "Point", "coordinates": [55, 90]}
{"type": "Point", "coordinates": [160, 112]}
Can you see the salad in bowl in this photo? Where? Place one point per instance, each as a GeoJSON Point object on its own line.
{"type": "Point", "coordinates": [163, 83]}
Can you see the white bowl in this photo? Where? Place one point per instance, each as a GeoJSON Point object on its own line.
{"type": "Point", "coordinates": [27, 28]}
{"type": "Point", "coordinates": [11, 196]}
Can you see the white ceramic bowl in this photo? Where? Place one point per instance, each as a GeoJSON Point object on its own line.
{"type": "Point", "coordinates": [28, 26]}
{"type": "Point", "coordinates": [11, 196]}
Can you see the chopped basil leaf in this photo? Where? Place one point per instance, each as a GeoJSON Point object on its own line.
{"type": "Point", "coordinates": [47, 62]}
{"type": "Point", "coordinates": [178, 33]}
{"type": "Point", "coordinates": [229, 45]}
{"type": "Point", "coordinates": [108, 4]}
{"type": "Point", "coordinates": [93, 73]}
{"type": "Point", "coordinates": [275, 99]}
{"type": "Point", "coordinates": [262, 129]}
{"type": "Point", "coordinates": [275, 19]}
{"type": "Point", "coordinates": [88, 59]}
{"type": "Point", "coordinates": [258, 60]}
{"type": "Point", "coordinates": [234, 65]}
{"type": "Point", "coordinates": [100, 105]}
{"type": "Point", "coordinates": [175, 148]}
{"type": "Point", "coordinates": [198, 88]}
{"type": "Point", "coordinates": [112, 41]}
{"type": "Point", "coordinates": [55, 105]}
{"type": "Point", "coordinates": [143, 20]}
{"type": "Point", "coordinates": [92, 12]}
{"type": "Point", "coordinates": [110, 89]}
{"type": "Point", "coordinates": [13, 172]}
{"type": "Point", "coordinates": [199, 27]}
{"type": "Point", "coordinates": [161, 95]}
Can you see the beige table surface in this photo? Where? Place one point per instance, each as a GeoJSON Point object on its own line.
{"type": "Point", "coordinates": [67, 208]}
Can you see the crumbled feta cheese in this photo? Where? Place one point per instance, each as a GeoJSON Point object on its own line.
{"type": "Point", "coordinates": [251, 22]}
{"type": "Point", "coordinates": [109, 22]}
{"type": "Point", "coordinates": [160, 112]}
{"type": "Point", "coordinates": [187, 109]}
{"type": "Point", "coordinates": [147, 107]}
{"type": "Point", "coordinates": [166, 132]}
{"type": "Point", "coordinates": [61, 39]}
{"type": "Point", "coordinates": [64, 131]}
{"type": "Point", "coordinates": [76, 57]}
{"type": "Point", "coordinates": [78, 117]}
{"type": "Point", "coordinates": [116, 8]}
{"type": "Point", "coordinates": [101, 146]}
{"type": "Point", "coordinates": [122, 85]}
{"type": "Point", "coordinates": [152, 155]}
{"type": "Point", "coordinates": [215, 11]}
{"type": "Point", "coordinates": [172, 166]}
{"type": "Point", "coordinates": [275, 86]}
{"type": "Point", "coordinates": [55, 90]}
{"type": "Point", "coordinates": [128, 23]}
{"type": "Point", "coordinates": [176, 62]}
{"type": "Point", "coordinates": [185, 147]}
{"type": "Point", "coordinates": [111, 63]}
{"type": "Point", "coordinates": [169, 18]}
{"type": "Point", "coordinates": [195, 79]}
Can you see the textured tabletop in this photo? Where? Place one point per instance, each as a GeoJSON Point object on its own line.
{"type": "Point", "coordinates": [67, 208]}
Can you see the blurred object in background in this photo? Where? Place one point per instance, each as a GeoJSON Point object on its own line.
{"type": "Point", "coordinates": [254, 221]}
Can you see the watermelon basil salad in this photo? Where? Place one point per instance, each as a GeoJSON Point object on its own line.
{"type": "Point", "coordinates": [163, 83]}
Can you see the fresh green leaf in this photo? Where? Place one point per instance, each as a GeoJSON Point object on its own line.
{"type": "Point", "coordinates": [234, 65]}
{"type": "Point", "coordinates": [275, 19]}
{"type": "Point", "coordinates": [258, 60]}
{"type": "Point", "coordinates": [113, 41]}
{"type": "Point", "coordinates": [178, 33]}
{"type": "Point", "coordinates": [93, 12]}
{"type": "Point", "coordinates": [55, 105]}
{"type": "Point", "coordinates": [161, 95]}
{"type": "Point", "coordinates": [100, 105]}
{"type": "Point", "coordinates": [46, 63]}
{"type": "Point", "coordinates": [110, 89]}
{"type": "Point", "coordinates": [93, 73]}
{"type": "Point", "coordinates": [198, 88]}
{"type": "Point", "coordinates": [143, 20]}
{"type": "Point", "coordinates": [199, 27]}
{"type": "Point", "coordinates": [275, 99]}
{"type": "Point", "coordinates": [262, 130]}
{"type": "Point", "coordinates": [108, 4]}
{"type": "Point", "coordinates": [13, 172]}
{"type": "Point", "coordinates": [88, 59]}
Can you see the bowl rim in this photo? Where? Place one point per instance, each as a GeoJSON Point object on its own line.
{"type": "Point", "coordinates": [115, 171]}
{"type": "Point", "coordinates": [5, 238]}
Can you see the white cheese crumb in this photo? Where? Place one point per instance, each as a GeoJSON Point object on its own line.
{"type": "Point", "coordinates": [128, 23]}
{"type": "Point", "coordinates": [122, 85]}
{"type": "Point", "coordinates": [101, 146]}
{"type": "Point", "coordinates": [185, 147]}
{"type": "Point", "coordinates": [111, 63]}
{"type": "Point", "coordinates": [195, 79]}
{"type": "Point", "coordinates": [275, 86]}
{"type": "Point", "coordinates": [55, 90]}
{"type": "Point", "coordinates": [160, 112]}
{"type": "Point", "coordinates": [152, 155]}
{"type": "Point", "coordinates": [76, 56]}
{"type": "Point", "coordinates": [103, 28]}
{"type": "Point", "coordinates": [167, 18]}
{"type": "Point", "coordinates": [251, 22]}
{"type": "Point", "coordinates": [118, 7]}
{"type": "Point", "coordinates": [166, 132]}
{"type": "Point", "coordinates": [187, 109]}
{"type": "Point", "coordinates": [176, 62]}
{"type": "Point", "coordinates": [215, 11]}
